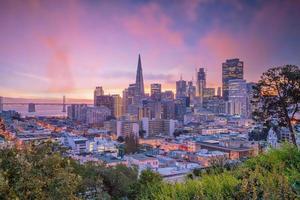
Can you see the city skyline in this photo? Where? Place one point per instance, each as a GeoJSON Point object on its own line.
{"type": "Point", "coordinates": [72, 48]}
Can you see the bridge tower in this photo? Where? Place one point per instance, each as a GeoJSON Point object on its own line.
{"type": "Point", "coordinates": [64, 104]}
{"type": "Point", "coordinates": [1, 104]}
{"type": "Point", "coordinates": [31, 107]}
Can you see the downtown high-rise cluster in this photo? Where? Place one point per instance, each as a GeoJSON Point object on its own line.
{"type": "Point", "coordinates": [162, 111]}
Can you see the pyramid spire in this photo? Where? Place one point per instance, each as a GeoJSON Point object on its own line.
{"type": "Point", "coordinates": [139, 79]}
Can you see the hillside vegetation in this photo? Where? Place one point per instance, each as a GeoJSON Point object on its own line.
{"type": "Point", "coordinates": [42, 172]}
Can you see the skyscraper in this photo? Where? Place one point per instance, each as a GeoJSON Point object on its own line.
{"type": "Point", "coordinates": [105, 100]}
{"type": "Point", "coordinates": [181, 88]}
{"type": "Point", "coordinates": [139, 81]}
{"type": "Point", "coordinates": [191, 90]}
{"type": "Point", "coordinates": [156, 91]}
{"type": "Point", "coordinates": [237, 97]}
{"type": "Point", "coordinates": [168, 94]}
{"type": "Point", "coordinates": [117, 105]}
{"type": "Point", "coordinates": [200, 82]}
{"type": "Point", "coordinates": [231, 69]}
{"type": "Point", "coordinates": [64, 104]}
{"type": "Point", "coordinates": [98, 92]}
{"type": "Point", "coordinates": [219, 92]}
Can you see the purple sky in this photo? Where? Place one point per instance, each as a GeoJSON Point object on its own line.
{"type": "Point", "coordinates": [55, 47]}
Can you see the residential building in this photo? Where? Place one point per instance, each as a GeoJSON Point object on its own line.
{"type": "Point", "coordinates": [127, 127]}
{"type": "Point", "coordinates": [77, 112]}
{"type": "Point", "coordinates": [97, 115]}
{"type": "Point", "coordinates": [154, 127]}
{"type": "Point", "coordinates": [143, 162]}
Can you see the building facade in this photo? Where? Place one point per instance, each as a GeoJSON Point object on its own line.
{"type": "Point", "coordinates": [231, 69]}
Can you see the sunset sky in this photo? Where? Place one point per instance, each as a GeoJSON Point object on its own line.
{"type": "Point", "coordinates": [59, 47]}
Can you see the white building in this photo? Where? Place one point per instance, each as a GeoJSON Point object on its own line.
{"type": "Point", "coordinates": [212, 131]}
{"type": "Point", "coordinates": [238, 98]}
{"type": "Point", "coordinates": [154, 127]}
{"type": "Point", "coordinates": [143, 162]}
{"type": "Point", "coordinates": [78, 144]}
{"type": "Point", "coordinates": [126, 128]}
{"type": "Point", "coordinates": [272, 138]}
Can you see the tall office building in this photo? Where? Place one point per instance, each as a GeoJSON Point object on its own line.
{"type": "Point", "coordinates": [200, 82]}
{"type": "Point", "coordinates": [180, 109]}
{"type": "Point", "coordinates": [237, 98]}
{"type": "Point", "coordinates": [97, 115]}
{"type": "Point", "coordinates": [132, 100]}
{"type": "Point", "coordinates": [155, 91]}
{"type": "Point", "coordinates": [181, 88]}
{"type": "Point", "coordinates": [77, 112]}
{"type": "Point", "coordinates": [125, 101]}
{"type": "Point", "coordinates": [117, 105]}
{"type": "Point", "coordinates": [191, 90]}
{"type": "Point", "coordinates": [250, 93]}
{"type": "Point", "coordinates": [167, 95]}
{"type": "Point", "coordinates": [98, 92]}
{"type": "Point", "coordinates": [1, 104]}
{"type": "Point", "coordinates": [209, 92]}
{"type": "Point", "coordinates": [139, 82]}
{"type": "Point", "coordinates": [168, 109]}
{"type": "Point", "coordinates": [105, 100]}
{"type": "Point", "coordinates": [219, 91]}
{"type": "Point", "coordinates": [231, 69]}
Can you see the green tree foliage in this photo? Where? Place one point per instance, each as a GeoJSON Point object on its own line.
{"type": "Point", "coordinates": [131, 144]}
{"type": "Point", "coordinates": [119, 180]}
{"type": "Point", "coordinates": [91, 186]}
{"type": "Point", "coordinates": [41, 172]}
{"type": "Point", "coordinates": [2, 126]}
{"type": "Point", "coordinates": [142, 133]}
{"type": "Point", "coordinates": [277, 96]}
{"type": "Point", "coordinates": [36, 172]}
{"type": "Point", "coordinates": [147, 179]}
{"type": "Point", "coordinates": [274, 175]}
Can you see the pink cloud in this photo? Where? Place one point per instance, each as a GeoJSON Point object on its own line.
{"type": "Point", "coordinates": [151, 24]}
{"type": "Point", "coordinates": [58, 68]}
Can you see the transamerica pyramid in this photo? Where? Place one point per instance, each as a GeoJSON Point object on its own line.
{"type": "Point", "coordinates": [139, 82]}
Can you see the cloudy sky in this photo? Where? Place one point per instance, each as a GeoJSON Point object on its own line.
{"type": "Point", "coordinates": [55, 47]}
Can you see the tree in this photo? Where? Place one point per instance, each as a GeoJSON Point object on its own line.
{"type": "Point", "coordinates": [119, 180]}
{"type": "Point", "coordinates": [2, 126]}
{"type": "Point", "coordinates": [148, 178]}
{"type": "Point", "coordinates": [177, 133]}
{"type": "Point", "coordinates": [120, 139]}
{"type": "Point", "coordinates": [131, 144]}
{"type": "Point", "coordinates": [91, 185]}
{"type": "Point", "coordinates": [277, 97]}
{"type": "Point", "coordinates": [142, 133]}
{"type": "Point", "coordinates": [36, 172]}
